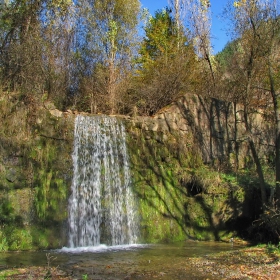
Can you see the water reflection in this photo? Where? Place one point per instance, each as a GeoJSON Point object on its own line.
{"type": "Point", "coordinates": [166, 261]}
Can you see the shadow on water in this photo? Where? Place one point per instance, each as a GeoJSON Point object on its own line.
{"type": "Point", "coordinates": [166, 261]}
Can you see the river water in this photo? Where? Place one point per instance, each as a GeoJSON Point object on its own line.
{"type": "Point", "coordinates": [160, 261]}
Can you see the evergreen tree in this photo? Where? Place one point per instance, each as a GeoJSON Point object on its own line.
{"type": "Point", "coordinates": [166, 64]}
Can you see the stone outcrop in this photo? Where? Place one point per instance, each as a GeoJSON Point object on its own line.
{"type": "Point", "coordinates": [217, 127]}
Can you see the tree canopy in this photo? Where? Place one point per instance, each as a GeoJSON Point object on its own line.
{"type": "Point", "coordinates": [165, 65]}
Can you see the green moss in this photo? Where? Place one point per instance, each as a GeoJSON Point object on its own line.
{"type": "Point", "coordinates": [4, 246]}
{"type": "Point", "coordinates": [19, 239]}
{"type": "Point", "coordinates": [155, 169]}
{"type": "Point", "coordinates": [179, 196]}
{"type": "Point", "coordinates": [46, 237]}
{"type": "Point", "coordinates": [7, 214]}
{"type": "Point", "coordinates": [35, 174]}
{"type": "Point", "coordinates": [9, 273]}
{"type": "Point", "coordinates": [49, 163]}
{"type": "Point", "coordinates": [14, 238]}
{"type": "Point", "coordinates": [40, 237]}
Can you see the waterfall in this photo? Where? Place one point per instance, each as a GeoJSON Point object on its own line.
{"type": "Point", "coordinates": [102, 205]}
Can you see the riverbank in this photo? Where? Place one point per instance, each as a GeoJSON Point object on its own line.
{"type": "Point", "coordinates": [247, 263]}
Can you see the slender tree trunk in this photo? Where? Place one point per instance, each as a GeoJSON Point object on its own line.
{"type": "Point", "coordinates": [236, 144]}
{"type": "Point", "coordinates": [177, 14]}
{"type": "Point", "coordinates": [277, 160]}
{"type": "Point", "coordinates": [276, 103]}
{"type": "Point", "coordinates": [255, 157]}
{"type": "Point", "coordinates": [112, 85]}
{"type": "Point", "coordinates": [208, 59]}
{"type": "Point", "coordinates": [249, 130]}
{"type": "Point", "coordinates": [112, 65]}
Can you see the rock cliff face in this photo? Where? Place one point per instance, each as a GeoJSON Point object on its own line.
{"type": "Point", "coordinates": [216, 127]}
{"type": "Point", "coordinates": [171, 153]}
{"type": "Point", "coordinates": [35, 174]}
{"type": "Point", "coordinates": [179, 195]}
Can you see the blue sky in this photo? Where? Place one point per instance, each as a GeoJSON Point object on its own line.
{"type": "Point", "coordinates": [219, 37]}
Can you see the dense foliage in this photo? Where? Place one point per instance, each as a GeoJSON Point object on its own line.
{"type": "Point", "coordinates": [166, 65]}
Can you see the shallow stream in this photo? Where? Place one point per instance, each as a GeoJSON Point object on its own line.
{"type": "Point", "coordinates": [161, 261]}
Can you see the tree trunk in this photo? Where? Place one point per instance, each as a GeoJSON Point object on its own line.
{"type": "Point", "coordinates": [111, 86]}
{"type": "Point", "coordinates": [277, 159]}
{"type": "Point", "coordinates": [236, 143]}
{"type": "Point", "coordinates": [255, 157]}
{"type": "Point", "coordinates": [276, 104]}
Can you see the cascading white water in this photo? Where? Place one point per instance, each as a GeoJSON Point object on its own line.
{"type": "Point", "coordinates": [102, 205]}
